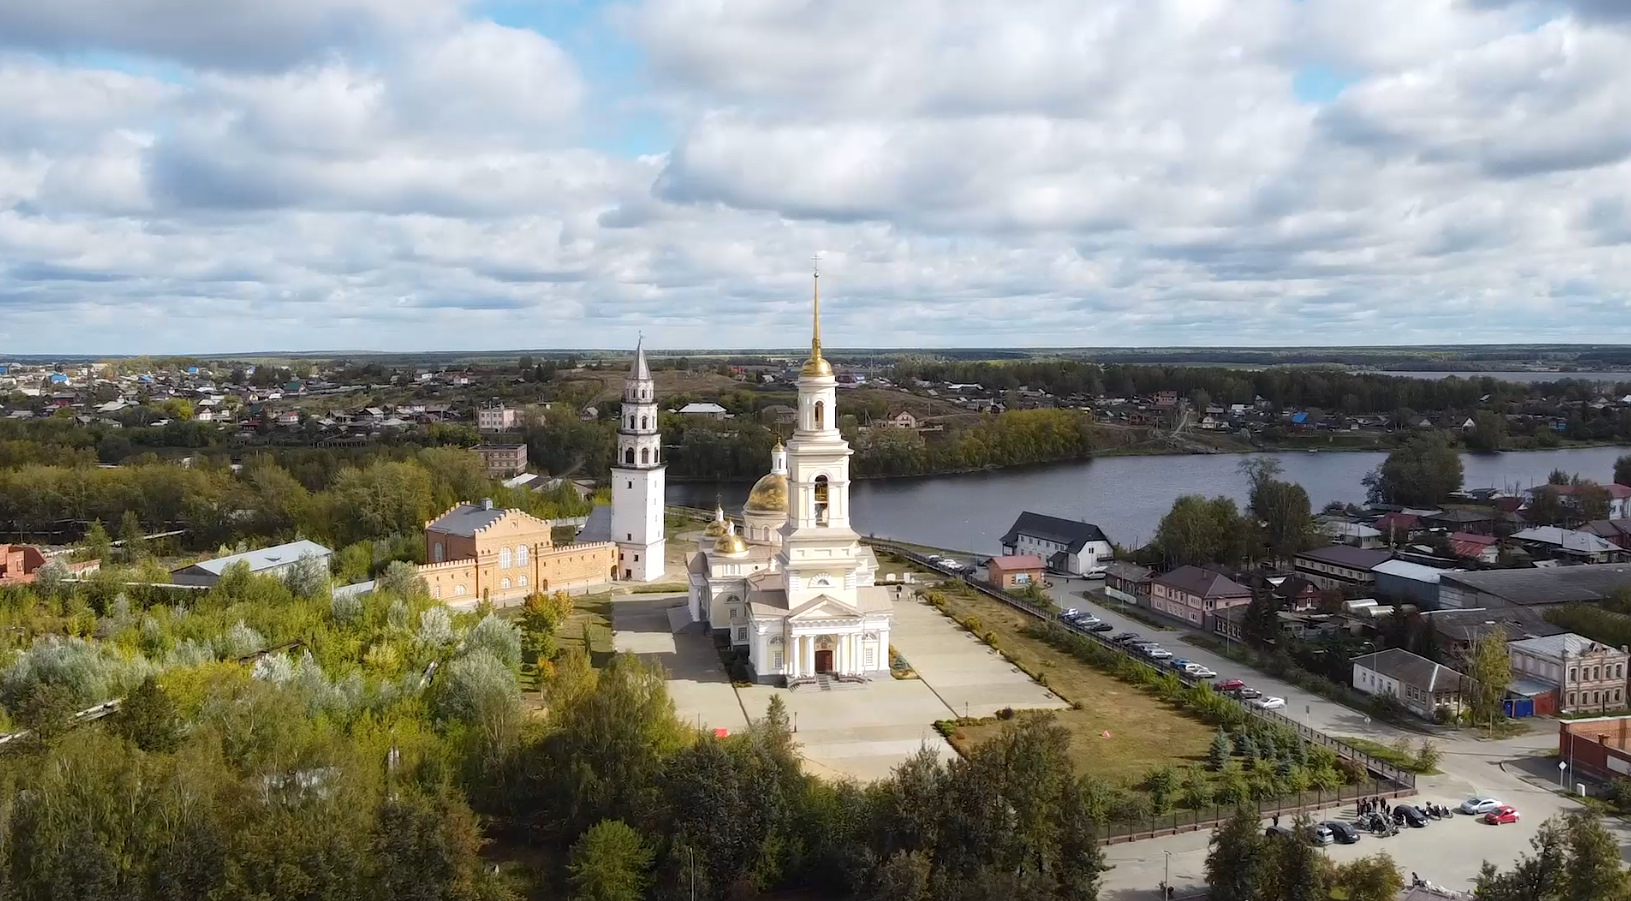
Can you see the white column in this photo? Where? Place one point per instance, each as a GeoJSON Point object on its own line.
{"type": "Point", "coordinates": [842, 654]}
{"type": "Point", "coordinates": [809, 654]}
{"type": "Point", "coordinates": [790, 661]}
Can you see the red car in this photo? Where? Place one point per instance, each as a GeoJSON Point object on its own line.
{"type": "Point", "coordinates": [1228, 685]}
{"type": "Point", "coordinates": [1501, 815]}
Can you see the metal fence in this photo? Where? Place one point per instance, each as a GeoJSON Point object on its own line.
{"type": "Point", "coordinates": [1207, 817]}
{"type": "Point", "coordinates": [1404, 781]}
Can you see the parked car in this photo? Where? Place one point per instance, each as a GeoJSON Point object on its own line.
{"type": "Point", "coordinates": [1069, 613]}
{"type": "Point", "coordinates": [1318, 834]}
{"type": "Point", "coordinates": [1101, 627]}
{"type": "Point", "coordinates": [1479, 805]}
{"type": "Point", "coordinates": [1247, 694]}
{"type": "Point", "coordinates": [1342, 832]}
{"type": "Point", "coordinates": [1228, 685]}
{"type": "Point", "coordinates": [1201, 672]}
{"type": "Point", "coordinates": [1502, 814]}
{"type": "Point", "coordinates": [1269, 703]}
{"type": "Point", "coordinates": [1411, 814]}
{"type": "Point", "coordinates": [1125, 637]}
{"type": "Point", "coordinates": [1179, 663]}
{"type": "Point", "coordinates": [933, 558]}
{"type": "Point", "coordinates": [1279, 832]}
{"type": "Point", "coordinates": [952, 565]}
{"type": "Point", "coordinates": [1086, 620]}
{"type": "Point", "coordinates": [1158, 653]}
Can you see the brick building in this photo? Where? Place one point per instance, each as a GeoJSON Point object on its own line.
{"type": "Point", "coordinates": [1194, 595]}
{"type": "Point", "coordinates": [478, 551]}
{"type": "Point", "coordinates": [1014, 572]}
{"type": "Point", "coordinates": [503, 460]}
{"type": "Point", "coordinates": [498, 419]}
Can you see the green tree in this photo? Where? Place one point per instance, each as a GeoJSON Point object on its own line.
{"type": "Point", "coordinates": [1235, 854]}
{"type": "Point", "coordinates": [904, 876]}
{"type": "Point", "coordinates": [1594, 869]}
{"type": "Point", "coordinates": [1373, 878]}
{"type": "Point", "coordinates": [1261, 625]}
{"type": "Point", "coordinates": [1591, 501]}
{"type": "Point", "coordinates": [401, 580]}
{"type": "Point", "coordinates": [1292, 869]}
{"type": "Point", "coordinates": [1218, 755]}
{"type": "Point", "coordinates": [132, 539]}
{"type": "Point", "coordinates": [610, 862]}
{"type": "Point", "coordinates": [1488, 672]}
{"type": "Point", "coordinates": [1197, 531]}
{"type": "Point", "coordinates": [1424, 470]}
{"type": "Point", "coordinates": [1546, 506]}
{"type": "Point", "coordinates": [1279, 511]}
{"type": "Point", "coordinates": [426, 848]}
{"type": "Point", "coordinates": [98, 546]}
{"type": "Point", "coordinates": [147, 719]}
{"type": "Point", "coordinates": [1488, 433]}
{"type": "Point", "coordinates": [1622, 470]}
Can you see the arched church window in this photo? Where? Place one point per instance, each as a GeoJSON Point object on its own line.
{"type": "Point", "coordinates": [503, 558]}
{"type": "Point", "coordinates": [642, 422]}
{"type": "Point", "coordinates": [631, 422]}
{"type": "Point", "coordinates": [628, 457]}
{"type": "Point", "coordinates": [645, 455]}
{"type": "Point", "coordinates": [820, 410]}
{"type": "Point", "coordinates": [821, 500]}
{"type": "Point", "coordinates": [520, 555]}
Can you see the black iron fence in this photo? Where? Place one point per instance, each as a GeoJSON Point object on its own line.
{"type": "Point", "coordinates": [1403, 780]}
{"type": "Point", "coordinates": [1288, 806]}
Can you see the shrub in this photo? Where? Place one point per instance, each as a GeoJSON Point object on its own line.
{"type": "Point", "coordinates": [973, 624]}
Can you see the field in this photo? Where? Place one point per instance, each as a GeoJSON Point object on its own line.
{"type": "Point", "coordinates": [1144, 731]}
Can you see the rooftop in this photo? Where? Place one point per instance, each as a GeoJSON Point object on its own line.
{"type": "Point", "coordinates": [1555, 585]}
{"type": "Point", "coordinates": [265, 558]}
{"type": "Point", "coordinates": [1070, 532]}
{"type": "Point", "coordinates": [1351, 557]}
{"type": "Point", "coordinates": [1015, 563]}
{"type": "Point", "coordinates": [1203, 582]}
{"type": "Point", "coordinates": [1566, 539]}
{"type": "Point", "coordinates": [1565, 643]}
{"type": "Point", "coordinates": [467, 519]}
{"type": "Point", "coordinates": [1411, 669]}
{"type": "Point", "coordinates": [1406, 570]}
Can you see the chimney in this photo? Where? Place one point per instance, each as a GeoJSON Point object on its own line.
{"type": "Point", "coordinates": [486, 503]}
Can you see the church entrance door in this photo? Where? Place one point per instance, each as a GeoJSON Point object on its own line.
{"type": "Point", "coordinates": [823, 661]}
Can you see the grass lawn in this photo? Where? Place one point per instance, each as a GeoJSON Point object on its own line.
{"type": "Point", "coordinates": [1403, 759]}
{"type": "Point", "coordinates": [1145, 731]}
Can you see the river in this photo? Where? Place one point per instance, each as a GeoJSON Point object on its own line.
{"type": "Point", "coordinates": [1126, 496]}
{"type": "Point", "coordinates": [1522, 376]}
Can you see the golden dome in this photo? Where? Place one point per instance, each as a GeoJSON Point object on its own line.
{"type": "Point", "coordinates": [730, 544]}
{"type": "Point", "coordinates": [717, 525]}
{"type": "Point", "coordinates": [769, 495]}
{"type": "Point", "coordinates": [817, 367]}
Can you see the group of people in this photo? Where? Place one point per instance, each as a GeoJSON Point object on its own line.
{"type": "Point", "coordinates": [1373, 805]}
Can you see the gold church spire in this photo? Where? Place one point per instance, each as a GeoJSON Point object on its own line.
{"type": "Point", "coordinates": [816, 366]}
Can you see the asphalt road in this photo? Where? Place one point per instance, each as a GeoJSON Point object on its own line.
{"type": "Point", "coordinates": [1520, 771]}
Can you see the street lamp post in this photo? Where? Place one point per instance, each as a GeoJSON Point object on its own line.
{"type": "Point", "coordinates": [1166, 879]}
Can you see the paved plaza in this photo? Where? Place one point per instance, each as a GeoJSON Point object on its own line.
{"type": "Point", "coordinates": [845, 731]}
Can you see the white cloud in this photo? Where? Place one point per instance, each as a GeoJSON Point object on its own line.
{"type": "Point", "coordinates": [363, 174]}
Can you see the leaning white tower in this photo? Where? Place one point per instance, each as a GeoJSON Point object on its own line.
{"type": "Point", "coordinates": [638, 479]}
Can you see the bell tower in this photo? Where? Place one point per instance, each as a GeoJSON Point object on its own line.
{"type": "Point", "coordinates": [639, 478]}
{"type": "Point", "coordinates": [819, 551]}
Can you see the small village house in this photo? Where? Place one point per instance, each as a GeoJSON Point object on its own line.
{"type": "Point", "coordinates": [1065, 545]}
{"type": "Point", "coordinates": [1127, 582]}
{"type": "Point", "coordinates": [271, 561]}
{"type": "Point", "coordinates": [1340, 566]}
{"type": "Point", "coordinates": [1018, 571]}
{"type": "Point", "coordinates": [1420, 685]}
{"type": "Point", "coordinates": [1193, 595]}
{"type": "Point", "coordinates": [503, 460]}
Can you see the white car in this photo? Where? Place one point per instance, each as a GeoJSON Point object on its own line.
{"type": "Point", "coordinates": [1269, 703]}
{"type": "Point", "coordinates": [1479, 805]}
{"type": "Point", "coordinates": [1200, 672]}
{"type": "Point", "coordinates": [1158, 653]}
{"type": "Point", "coordinates": [953, 565]}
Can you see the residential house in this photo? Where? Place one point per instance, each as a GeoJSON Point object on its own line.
{"type": "Point", "coordinates": [778, 414]}
{"type": "Point", "coordinates": [20, 564]}
{"type": "Point", "coordinates": [1066, 545]}
{"type": "Point", "coordinates": [1586, 675]}
{"type": "Point", "coordinates": [1355, 534]}
{"type": "Point", "coordinates": [1193, 595]}
{"type": "Point", "coordinates": [271, 561]}
{"type": "Point", "coordinates": [1015, 571]}
{"type": "Point", "coordinates": [498, 419]}
{"type": "Point", "coordinates": [703, 410]}
{"type": "Point", "coordinates": [1539, 588]}
{"type": "Point", "coordinates": [1297, 593]}
{"type": "Point", "coordinates": [1567, 544]}
{"type": "Point", "coordinates": [1127, 582]}
{"type": "Point", "coordinates": [503, 460]}
{"type": "Point", "coordinates": [1340, 566]}
{"type": "Point", "coordinates": [1456, 631]}
{"type": "Point", "coordinates": [1480, 548]}
{"type": "Point", "coordinates": [1420, 685]}
{"type": "Point", "coordinates": [1460, 519]}
{"type": "Point", "coordinates": [900, 420]}
{"type": "Point", "coordinates": [1396, 528]}
{"type": "Point", "coordinates": [1619, 498]}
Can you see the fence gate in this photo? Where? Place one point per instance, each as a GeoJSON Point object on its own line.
{"type": "Point", "coordinates": [1519, 707]}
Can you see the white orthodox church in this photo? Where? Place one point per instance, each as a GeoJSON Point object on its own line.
{"type": "Point", "coordinates": [796, 587]}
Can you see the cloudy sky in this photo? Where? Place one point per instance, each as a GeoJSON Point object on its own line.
{"type": "Point", "coordinates": [235, 175]}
